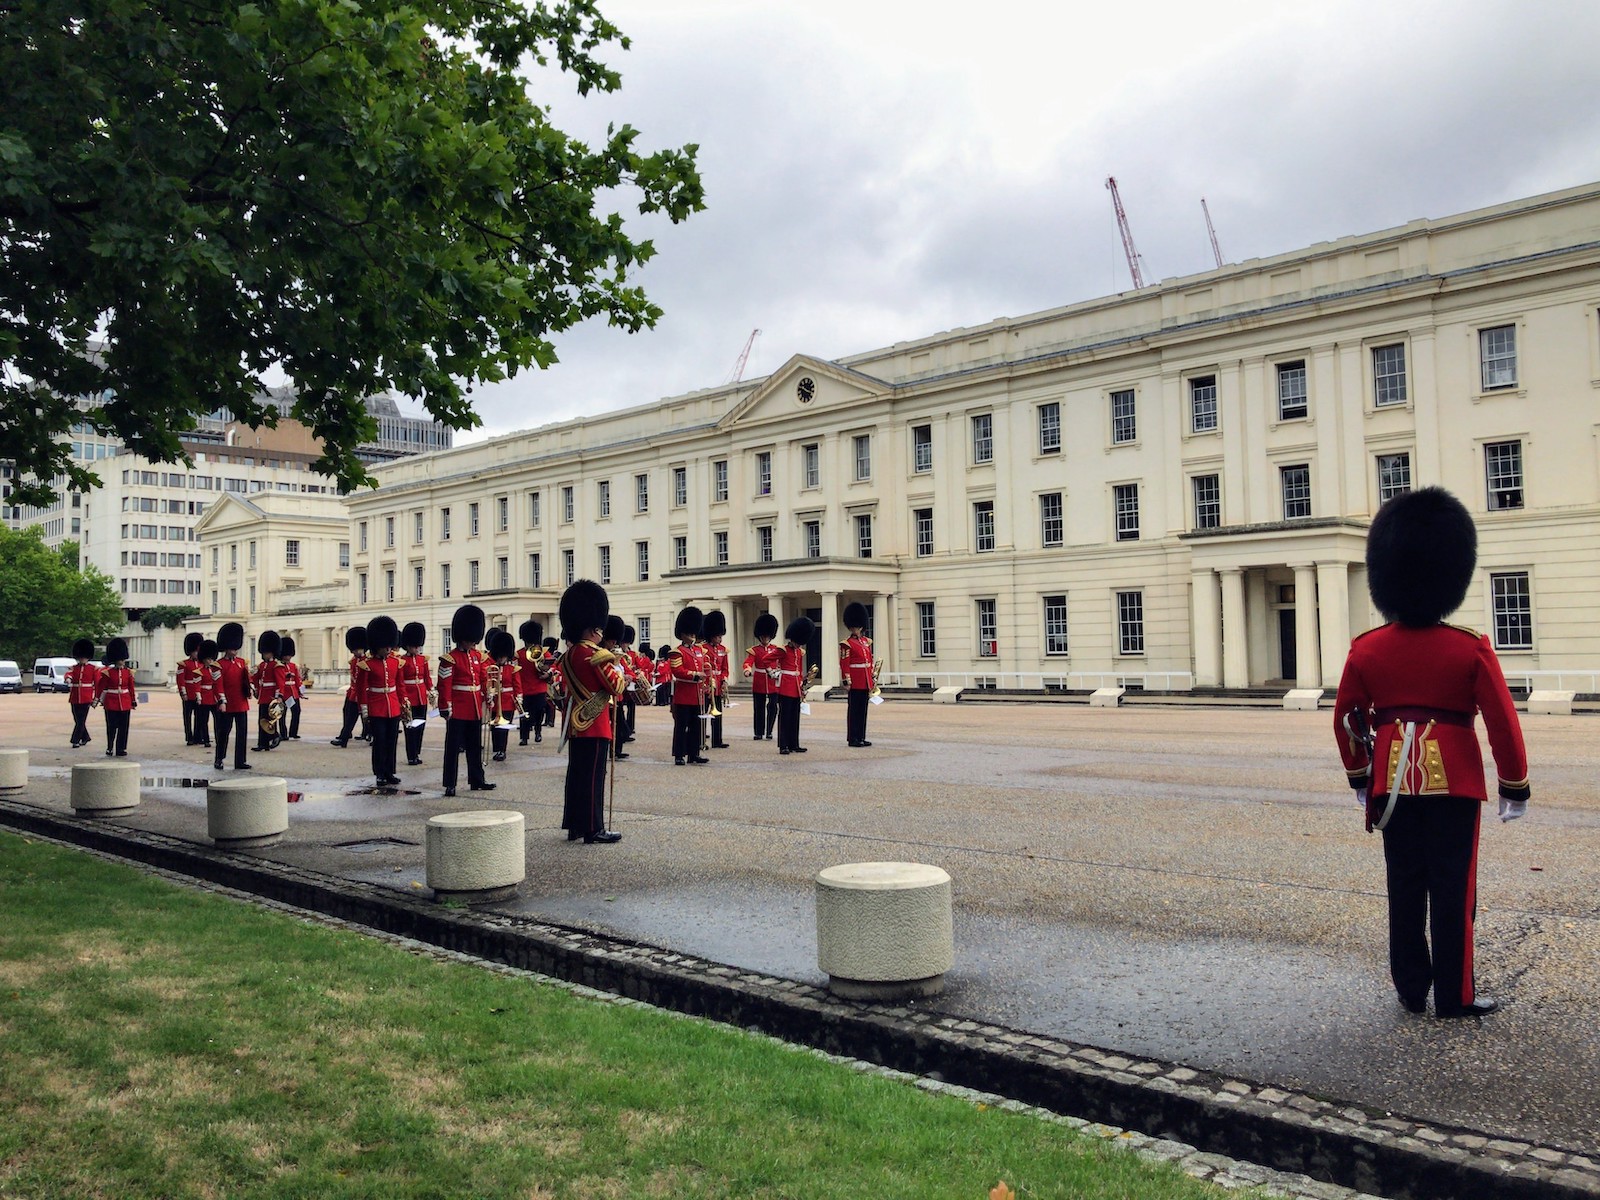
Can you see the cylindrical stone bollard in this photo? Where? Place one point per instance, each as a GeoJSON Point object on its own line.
{"type": "Point", "coordinates": [246, 814]}
{"type": "Point", "coordinates": [885, 930]}
{"type": "Point", "coordinates": [108, 789]}
{"type": "Point", "coordinates": [13, 770]}
{"type": "Point", "coordinates": [479, 857]}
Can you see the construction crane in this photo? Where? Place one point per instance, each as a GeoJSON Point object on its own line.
{"type": "Point", "coordinates": [1128, 247]}
{"type": "Point", "coordinates": [744, 356]}
{"type": "Point", "coordinates": [1216, 250]}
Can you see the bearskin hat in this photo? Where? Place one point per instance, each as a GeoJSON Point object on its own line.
{"type": "Point", "coordinates": [382, 634]}
{"type": "Point", "coordinates": [628, 634]}
{"type": "Point", "coordinates": [192, 640]}
{"type": "Point", "coordinates": [268, 643]}
{"type": "Point", "coordinates": [800, 631]}
{"type": "Point", "coordinates": [500, 644]}
{"type": "Point", "coordinates": [208, 651]}
{"type": "Point", "coordinates": [116, 651]}
{"type": "Point", "coordinates": [231, 636]}
{"type": "Point", "coordinates": [355, 638]}
{"type": "Point", "coordinates": [83, 648]}
{"type": "Point", "coordinates": [551, 644]}
{"type": "Point", "coordinates": [415, 635]}
{"type": "Point", "coordinates": [584, 606]}
{"type": "Point", "coordinates": [688, 623]}
{"type": "Point", "coordinates": [467, 626]}
{"type": "Point", "coordinates": [616, 629]}
{"type": "Point", "coordinates": [1421, 551]}
{"type": "Point", "coordinates": [855, 615]}
{"type": "Point", "coordinates": [646, 650]}
{"type": "Point", "coordinates": [531, 633]}
{"type": "Point", "coordinates": [715, 624]}
{"type": "Point", "coordinates": [286, 648]}
{"type": "Point", "coordinates": [767, 625]}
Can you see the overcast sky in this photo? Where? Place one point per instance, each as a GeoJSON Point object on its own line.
{"type": "Point", "coordinates": [877, 171]}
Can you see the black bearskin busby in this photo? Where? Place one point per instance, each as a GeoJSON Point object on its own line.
{"type": "Point", "coordinates": [531, 633]}
{"type": "Point", "coordinates": [616, 629]}
{"type": "Point", "coordinates": [355, 638]}
{"type": "Point", "coordinates": [269, 643]}
{"type": "Point", "coordinates": [715, 624]}
{"type": "Point", "coordinates": [382, 634]}
{"type": "Point", "coordinates": [286, 648]}
{"type": "Point", "coordinates": [648, 651]}
{"type": "Point", "coordinates": [467, 626]}
{"type": "Point", "coordinates": [208, 651]}
{"type": "Point", "coordinates": [767, 626]}
{"type": "Point", "coordinates": [584, 606]}
{"type": "Point", "coordinates": [192, 640]}
{"type": "Point", "coordinates": [1421, 551]}
{"type": "Point", "coordinates": [551, 644]}
{"type": "Point", "coordinates": [414, 636]}
{"type": "Point", "coordinates": [500, 644]}
{"type": "Point", "coordinates": [231, 637]}
{"type": "Point", "coordinates": [855, 615]}
{"type": "Point", "coordinates": [800, 631]}
{"type": "Point", "coordinates": [83, 648]}
{"type": "Point", "coordinates": [628, 634]}
{"type": "Point", "coordinates": [116, 651]}
{"type": "Point", "coordinates": [688, 623]}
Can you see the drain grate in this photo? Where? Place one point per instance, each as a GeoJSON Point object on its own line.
{"type": "Point", "coordinates": [372, 845]}
{"type": "Point", "coordinates": [383, 791]}
{"type": "Point", "coordinates": [171, 781]}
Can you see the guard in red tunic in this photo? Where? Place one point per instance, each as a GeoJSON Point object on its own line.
{"type": "Point", "coordinates": [688, 687]}
{"type": "Point", "coordinates": [209, 689]}
{"type": "Point", "coordinates": [855, 668]}
{"type": "Point", "coordinates": [463, 675]}
{"type": "Point", "coordinates": [355, 641]}
{"type": "Point", "coordinates": [1406, 705]}
{"type": "Point", "coordinates": [532, 681]}
{"type": "Point", "coordinates": [83, 680]}
{"type": "Point", "coordinates": [593, 684]}
{"type": "Point", "coordinates": [612, 640]}
{"type": "Point", "coordinates": [234, 690]}
{"type": "Point", "coordinates": [792, 680]}
{"type": "Point", "coordinates": [271, 683]}
{"type": "Point", "coordinates": [416, 682]}
{"type": "Point", "coordinates": [115, 692]}
{"type": "Point", "coordinates": [294, 687]}
{"type": "Point", "coordinates": [762, 663]}
{"type": "Point", "coordinates": [715, 656]}
{"type": "Point", "coordinates": [382, 704]}
{"type": "Point", "coordinates": [196, 730]}
{"type": "Point", "coordinates": [502, 648]}
{"type": "Point", "coordinates": [631, 662]}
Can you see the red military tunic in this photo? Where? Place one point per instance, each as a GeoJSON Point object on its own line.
{"type": "Point", "coordinates": [114, 689]}
{"type": "Point", "coordinates": [353, 692]}
{"type": "Point", "coordinates": [590, 671]}
{"type": "Point", "coordinates": [759, 663]}
{"type": "Point", "coordinates": [686, 670]}
{"type": "Point", "coordinates": [188, 678]}
{"type": "Point", "coordinates": [235, 684]}
{"type": "Point", "coordinates": [718, 666]}
{"type": "Point", "coordinates": [209, 689]}
{"type": "Point", "coordinates": [416, 680]}
{"type": "Point", "coordinates": [270, 679]}
{"type": "Point", "coordinates": [293, 685]}
{"type": "Point", "coordinates": [381, 688]}
{"type": "Point", "coordinates": [463, 675]}
{"type": "Point", "coordinates": [792, 668]}
{"type": "Point", "coordinates": [530, 680]}
{"type": "Point", "coordinates": [510, 688]}
{"type": "Point", "coordinates": [855, 663]}
{"type": "Point", "coordinates": [83, 681]}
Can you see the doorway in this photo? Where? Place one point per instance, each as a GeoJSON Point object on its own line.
{"type": "Point", "coordinates": [1286, 644]}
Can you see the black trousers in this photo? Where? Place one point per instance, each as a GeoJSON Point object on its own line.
{"type": "Point", "coordinates": [463, 737]}
{"type": "Point", "coordinates": [500, 738]}
{"type": "Point", "coordinates": [534, 705]}
{"type": "Point", "coordinates": [238, 724]}
{"type": "Point", "coordinates": [352, 713]}
{"type": "Point", "coordinates": [80, 724]}
{"type": "Point", "coordinates": [191, 722]}
{"type": "Point", "coordinates": [628, 711]}
{"type": "Point", "coordinates": [261, 729]}
{"type": "Point", "coordinates": [294, 718]}
{"type": "Point", "coordinates": [385, 736]}
{"type": "Point", "coordinates": [767, 707]}
{"type": "Point", "coordinates": [855, 715]}
{"type": "Point", "coordinates": [1430, 848]}
{"type": "Point", "coordinates": [788, 722]}
{"type": "Point", "coordinates": [584, 812]}
{"type": "Point", "coordinates": [414, 740]}
{"type": "Point", "coordinates": [117, 731]}
{"type": "Point", "coordinates": [685, 731]}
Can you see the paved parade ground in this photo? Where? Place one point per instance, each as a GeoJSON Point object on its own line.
{"type": "Point", "coordinates": [1186, 883]}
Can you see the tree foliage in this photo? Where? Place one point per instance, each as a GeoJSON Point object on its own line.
{"type": "Point", "coordinates": [167, 616]}
{"type": "Point", "coordinates": [359, 192]}
{"type": "Point", "coordinates": [46, 602]}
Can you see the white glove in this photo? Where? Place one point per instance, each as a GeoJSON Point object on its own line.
{"type": "Point", "coordinates": [1510, 810]}
{"type": "Point", "coordinates": [1361, 799]}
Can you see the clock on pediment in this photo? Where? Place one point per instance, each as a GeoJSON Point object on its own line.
{"type": "Point", "coordinates": [806, 390]}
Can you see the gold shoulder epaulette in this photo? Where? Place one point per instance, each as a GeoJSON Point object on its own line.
{"type": "Point", "coordinates": [1470, 632]}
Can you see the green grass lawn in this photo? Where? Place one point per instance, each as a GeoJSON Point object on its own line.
{"type": "Point", "coordinates": [156, 1041]}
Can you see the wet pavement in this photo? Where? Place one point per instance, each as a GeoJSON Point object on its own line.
{"type": "Point", "coordinates": [1191, 885]}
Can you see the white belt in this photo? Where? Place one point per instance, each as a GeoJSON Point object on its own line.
{"type": "Point", "coordinates": [380, 691]}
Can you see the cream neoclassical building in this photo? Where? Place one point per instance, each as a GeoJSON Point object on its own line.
{"type": "Point", "coordinates": [1168, 487]}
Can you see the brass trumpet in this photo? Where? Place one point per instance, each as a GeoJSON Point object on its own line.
{"type": "Point", "coordinates": [877, 670]}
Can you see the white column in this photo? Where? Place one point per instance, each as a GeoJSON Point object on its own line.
{"type": "Point", "coordinates": [1207, 631]}
{"type": "Point", "coordinates": [830, 640]}
{"type": "Point", "coordinates": [1333, 601]}
{"type": "Point", "coordinates": [882, 635]}
{"type": "Point", "coordinates": [1307, 653]}
{"type": "Point", "coordinates": [775, 607]}
{"type": "Point", "coordinates": [1235, 638]}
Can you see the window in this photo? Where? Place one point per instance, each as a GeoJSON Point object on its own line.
{"type": "Point", "coordinates": [388, 532]}
{"type": "Point", "coordinates": [1125, 503]}
{"type": "Point", "coordinates": [388, 585]}
{"type": "Point", "coordinates": [502, 572]}
{"type": "Point", "coordinates": [361, 536]}
{"type": "Point", "coordinates": [1503, 463]}
{"type": "Point", "coordinates": [1055, 624]}
{"type": "Point", "coordinates": [764, 540]}
{"type": "Point", "coordinates": [642, 628]}
{"type": "Point", "coordinates": [811, 454]}
{"type": "Point", "coordinates": [1292, 390]}
{"type": "Point", "coordinates": [988, 639]}
{"type": "Point", "coordinates": [1130, 622]}
{"type": "Point", "coordinates": [983, 526]}
{"type": "Point", "coordinates": [927, 644]}
{"type": "Point", "coordinates": [416, 527]}
{"type": "Point", "coordinates": [472, 576]}
{"type": "Point", "coordinates": [1388, 375]}
{"type": "Point", "coordinates": [983, 438]}
{"type": "Point", "coordinates": [416, 582]}
{"type": "Point", "coordinates": [1050, 428]}
{"type": "Point", "coordinates": [291, 552]}
{"type": "Point", "coordinates": [1296, 481]}
{"type": "Point", "coordinates": [1203, 404]}
{"type": "Point", "coordinates": [642, 552]}
{"type": "Point", "coordinates": [680, 553]}
{"type": "Point", "coordinates": [720, 541]}
{"type": "Point", "coordinates": [605, 564]}
{"type": "Point", "coordinates": [566, 504]}
{"type": "Point", "coordinates": [921, 448]}
{"type": "Point", "coordinates": [864, 535]}
{"type": "Point", "coordinates": [569, 567]}
{"type": "Point", "coordinates": [344, 557]}
{"type": "Point", "coordinates": [444, 524]}
{"type": "Point", "coordinates": [1124, 418]}
{"type": "Point", "coordinates": [252, 607]}
{"type": "Point", "coordinates": [641, 493]}
{"type": "Point", "coordinates": [719, 479]}
{"type": "Point", "coordinates": [472, 522]}
{"type": "Point", "coordinates": [1051, 526]}
{"type": "Point", "coordinates": [535, 570]}
{"type": "Point", "coordinates": [1207, 501]}
{"type": "Point", "coordinates": [922, 524]}
{"type": "Point", "coordinates": [444, 580]}
{"type": "Point", "coordinates": [680, 487]}
{"type": "Point", "coordinates": [534, 510]}
{"type": "Point", "coordinates": [862, 445]}
{"type": "Point", "coordinates": [361, 587]}
{"type": "Point", "coordinates": [1497, 353]}
{"type": "Point", "coordinates": [1394, 475]}
{"type": "Point", "coordinates": [603, 497]}
{"type": "Point", "coordinates": [502, 510]}
{"type": "Point", "coordinates": [764, 473]}
{"type": "Point", "coordinates": [813, 539]}
{"type": "Point", "coordinates": [1513, 610]}
{"type": "Point", "coordinates": [216, 556]}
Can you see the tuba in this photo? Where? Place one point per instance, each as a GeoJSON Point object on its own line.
{"type": "Point", "coordinates": [272, 724]}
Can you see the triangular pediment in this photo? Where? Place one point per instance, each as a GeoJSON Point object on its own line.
{"type": "Point", "coordinates": [228, 511]}
{"type": "Point", "coordinates": [804, 384]}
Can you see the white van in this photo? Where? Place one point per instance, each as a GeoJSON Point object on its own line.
{"type": "Point", "coordinates": [50, 674]}
{"type": "Point", "coordinates": [10, 676]}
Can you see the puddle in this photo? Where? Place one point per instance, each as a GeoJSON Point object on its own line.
{"type": "Point", "coordinates": [372, 845]}
{"type": "Point", "coordinates": [171, 781]}
{"type": "Point", "coordinates": [383, 791]}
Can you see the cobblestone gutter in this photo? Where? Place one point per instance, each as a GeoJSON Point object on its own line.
{"type": "Point", "coordinates": [1372, 1152]}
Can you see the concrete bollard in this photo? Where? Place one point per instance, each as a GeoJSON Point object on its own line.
{"type": "Point", "coordinates": [885, 930]}
{"type": "Point", "coordinates": [247, 814]}
{"type": "Point", "coordinates": [13, 770]}
{"type": "Point", "coordinates": [105, 789]}
{"type": "Point", "coordinates": [1106, 697]}
{"type": "Point", "coordinates": [479, 857]}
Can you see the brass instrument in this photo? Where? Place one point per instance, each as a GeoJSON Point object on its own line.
{"type": "Point", "coordinates": [272, 724]}
{"type": "Point", "coordinates": [877, 670]}
{"type": "Point", "coordinates": [493, 718]}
